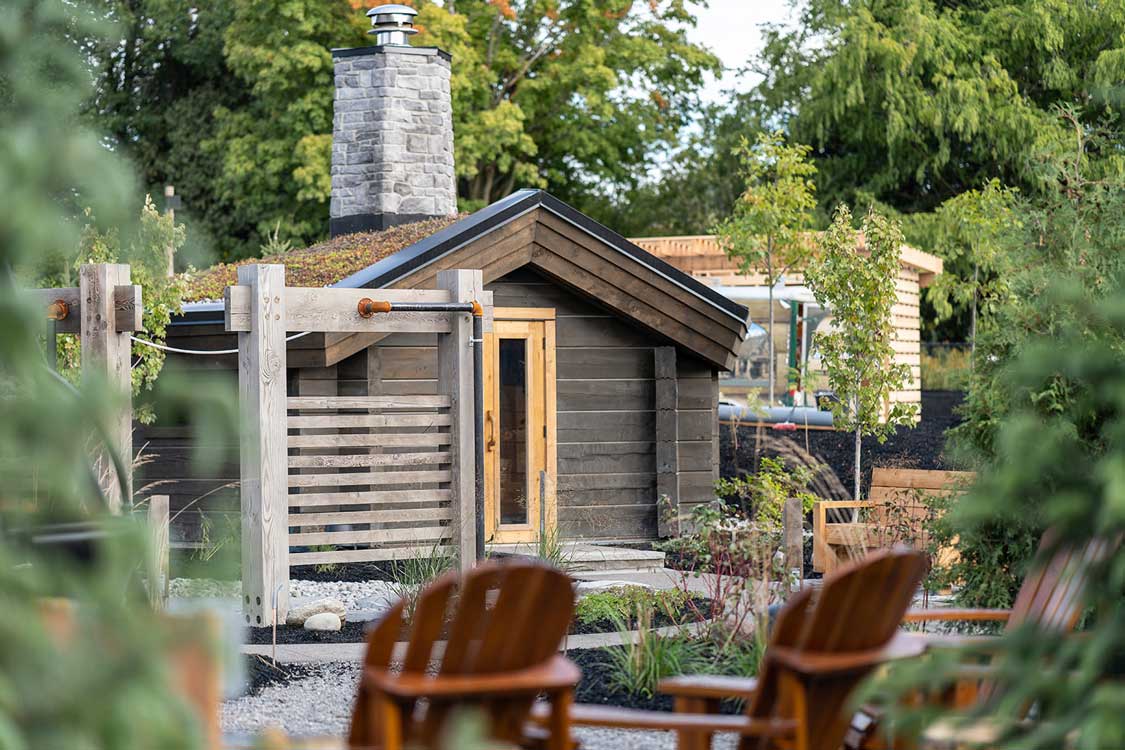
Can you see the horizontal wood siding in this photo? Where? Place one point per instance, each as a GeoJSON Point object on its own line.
{"type": "Point", "coordinates": [697, 404]}
{"type": "Point", "coordinates": [606, 418]}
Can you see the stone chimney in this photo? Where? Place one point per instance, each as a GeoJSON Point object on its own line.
{"type": "Point", "coordinates": [392, 130]}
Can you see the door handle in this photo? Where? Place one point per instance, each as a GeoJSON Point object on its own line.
{"type": "Point", "coordinates": [489, 431]}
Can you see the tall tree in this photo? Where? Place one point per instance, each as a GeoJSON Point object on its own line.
{"type": "Point", "coordinates": [764, 232]}
{"type": "Point", "coordinates": [158, 81]}
{"type": "Point", "coordinates": [858, 288]}
{"type": "Point", "coordinates": [911, 102]}
{"type": "Point", "coordinates": [232, 102]}
{"type": "Point", "coordinates": [577, 96]}
{"type": "Point", "coordinates": [973, 234]}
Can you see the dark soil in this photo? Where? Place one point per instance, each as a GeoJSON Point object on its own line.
{"type": "Point", "coordinates": [261, 672]}
{"type": "Point", "coordinates": [920, 447]}
{"type": "Point", "coordinates": [350, 572]}
{"type": "Point", "coordinates": [351, 632]}
{"type": "Point", "coordinates": [597, 685]}
{"type": "Point", "coordinates": [356, 632]}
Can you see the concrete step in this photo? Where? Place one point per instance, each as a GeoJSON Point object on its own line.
{"type": "Point", "coordinates": [583, 557]}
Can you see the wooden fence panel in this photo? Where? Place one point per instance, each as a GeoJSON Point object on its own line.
{"type": "Point", "coordinates": [390, 498]}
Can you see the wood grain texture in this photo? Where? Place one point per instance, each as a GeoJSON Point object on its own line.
{"type": "Point", "coordinates": [455, 381]}
{"type": "Point", "coordinates": [127, 307]}
{"type": "Point", "coordinates": [106, 358]}
{"type": "Point", "coordinates": [265, 497]}
{"type": "Point", "coordinates": [667, 440]}
{"type": "Point", "coordinates": [334, 309]}
{"type": "Point", "coordinates": [371, 497]}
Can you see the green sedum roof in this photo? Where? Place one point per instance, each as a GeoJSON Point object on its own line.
{"type": "Point", "coordinates": [322, 264]}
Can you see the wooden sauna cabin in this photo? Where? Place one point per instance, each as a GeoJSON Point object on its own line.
{"type": "Point", "coordinates": [601, 371]}
{"type": "Point", "coordinates": [797, 317]}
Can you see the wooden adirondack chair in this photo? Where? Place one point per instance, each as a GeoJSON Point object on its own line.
{"type": "Point", "coordinates": [1051, 597]}
{"type": "Point", "coordinates": [504, 624]}
{"type": "Point", "coordinates": [824, 642]}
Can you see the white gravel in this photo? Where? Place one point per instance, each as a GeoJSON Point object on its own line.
{"type": "Point", "coordinates": [321, 705]}
{"type": "Point", "coordinates": [318, 705]}
{"type": "Point", "coordinates": [355, 595]}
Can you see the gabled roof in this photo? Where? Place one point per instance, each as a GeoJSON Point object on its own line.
{"type": "Point", "coordinates": [702, 254]}
{"type": "Point", "coordinates": [531, 228]}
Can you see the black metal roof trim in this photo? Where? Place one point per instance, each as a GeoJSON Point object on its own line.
{"type": "Point", "coordinates": [424, 251]}
{"type": "Point", "coordinates": [411, 258]}
{"type": "Point", "coordinates": [644, 257]}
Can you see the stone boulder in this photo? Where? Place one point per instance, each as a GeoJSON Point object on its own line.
{"type": "Point", "coordinates": [323, 621]}
{"type": "Point", "coordinates": [302, 612]}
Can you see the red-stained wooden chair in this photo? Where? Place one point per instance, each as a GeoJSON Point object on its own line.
{"type": "Point", "coordinates": [1052, 598]}
{"type": "Point", "coordinates": [502, 624]}
{"type": "Point", "coordinates": [823, 644]}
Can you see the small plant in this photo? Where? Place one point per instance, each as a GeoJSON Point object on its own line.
{"type": "Point", "coordinates": [324, 567]}
{"type": "Point", "coordinates": [214, 540]}
{"type": "Point", "coordinates": [410, 575]}
{"type": "Point", "coordinates": [945, 368]}
{"type": "Point", "coordinates": [550, 549]}
{"type": "Point", "coordinates": [638, 665]}
{"type": "Point", "coordinates": [621, 604]}
{"type": "Point", "coordinates": [762, 495]}
{"type": "Point", "coordinates": [274, 245]}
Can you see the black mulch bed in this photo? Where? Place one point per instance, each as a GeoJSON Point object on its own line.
{"type": "Point", "coordinates": [349, 572]}
{"type": "Point", "coordinates": [261, 672]}
{"type": "Point", "coordinates": [356, 632]}
{"type": "Point", "coordinates": [595, 687]}
{"type": "Point", "coordinates": [351, 632]}
{"type": "Point", "coordinates": [920, 447]}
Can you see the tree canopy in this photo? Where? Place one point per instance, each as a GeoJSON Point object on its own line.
{"type": "Point", "coordinates": [232, 102]}
{"type": "Point", "coordinates": [911, 102]}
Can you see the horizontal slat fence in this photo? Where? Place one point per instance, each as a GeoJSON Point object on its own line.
{"type": "Point", "coordinates": [369, 477]}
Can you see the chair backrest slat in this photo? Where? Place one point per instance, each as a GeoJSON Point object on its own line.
{"type": "Point", "coordinates": [858, 608]}
{"type": "Point", "coordinates": [496, 618]}
{"type": "Point", "coordinates": [1052, 593]}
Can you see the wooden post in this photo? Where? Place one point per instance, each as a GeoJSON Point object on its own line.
{"type": "Point", "coordinates": [455, 379]}
{"type": "Point", "coordinates": [171, 203]}
{"type": "Point", "coordinates": [158, 548]}
{"type": "Point", "coordinates": [793, 523]}
{"type": "Point", "coordinates": [667, 436]}
{"type": "Point", "coordinates": [105, 354]}
{"type": "Point", "coordinates": [263, 463]}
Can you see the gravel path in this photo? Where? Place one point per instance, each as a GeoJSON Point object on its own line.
{"type": "Point", "coordinates": [321, 704]}
{"type": "Point", "coordinates": [355, 595]}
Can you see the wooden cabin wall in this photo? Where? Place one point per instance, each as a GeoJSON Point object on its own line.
{"type": "Point", "coordinates": [607, 483]}
{"type": "Point", "coordinates": [605, 396]}
{"type": "Point", "coordinates": [166, 447]}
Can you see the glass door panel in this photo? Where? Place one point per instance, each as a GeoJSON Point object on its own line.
{"type": "Point", "coordinates": [512, 417]}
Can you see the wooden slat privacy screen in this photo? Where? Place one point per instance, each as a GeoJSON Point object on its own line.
{"type": "Point", "coordinates": [369, 477]}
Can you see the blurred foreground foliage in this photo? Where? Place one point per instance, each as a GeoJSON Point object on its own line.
{"type": "Point", "coordinates": [105, 684]}
{"type": "Point", "coordinates": [1059, 464]}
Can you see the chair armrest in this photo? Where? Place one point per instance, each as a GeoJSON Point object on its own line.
{"type": "Point", "coordinates": [942, 614]}
{"type": "Point", "coordinates": [554, 674]}
{"type": "Point", "coordinates": [709, 686]}
{"type": "Point", "coordinates": [822, 664]}
{"type": "Point", "coordinates": [588, 715]}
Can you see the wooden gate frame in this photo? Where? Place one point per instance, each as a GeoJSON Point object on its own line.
{"type": "Point", "coordinates": [104, 309]}
{"type": "Point", "coordinates": [261, 309]}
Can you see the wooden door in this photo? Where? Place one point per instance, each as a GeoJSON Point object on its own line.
{"type": "Point", "coordinates": [519, 425]}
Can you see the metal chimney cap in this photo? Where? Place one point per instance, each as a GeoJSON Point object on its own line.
{"type": "Point", "coordinates": [392, 24]}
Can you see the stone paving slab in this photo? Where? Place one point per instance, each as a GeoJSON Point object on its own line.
{"type": "Point", "coordinates": [307, 653]}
